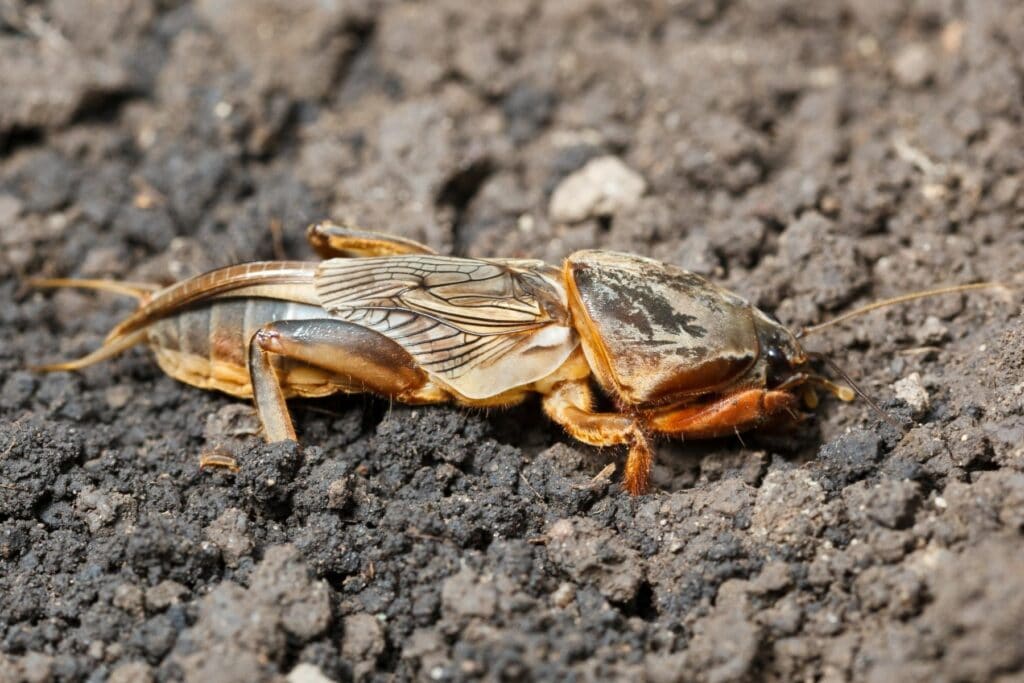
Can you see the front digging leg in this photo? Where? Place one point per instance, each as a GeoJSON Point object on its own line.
{"type": "Point", "coordinates": [727, 415]}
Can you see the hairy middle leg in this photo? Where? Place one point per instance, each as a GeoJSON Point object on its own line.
{"type": "Point", "coordinates": [570, 404]}
{"type": "Point", "coordinates": [331, 240]}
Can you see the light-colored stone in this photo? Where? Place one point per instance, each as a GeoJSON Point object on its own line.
{"type": "Point", "coordinates": [132, 672]}
{"type": "Point", "coordinates": [603, 187]}
{"type": "Point", "coordinates": [911, 391]}
{"type": "Point", "coordinates": [932, 332]}
{"type": "Point", "coordinates": [913, 65]}
{"type": "Point", "coordinates": [308, 673]}
{"type": "Point", "coordinates": [564, 595]}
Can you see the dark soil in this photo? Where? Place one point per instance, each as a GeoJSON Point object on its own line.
{"type": "Point", "coordinates": [812, 156]}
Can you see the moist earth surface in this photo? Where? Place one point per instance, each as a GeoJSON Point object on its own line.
{"type": "Point", "coordinates": [809, 156]}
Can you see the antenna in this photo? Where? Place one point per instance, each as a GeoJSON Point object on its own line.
{"type": "Point", "coordinates": [913, 296]}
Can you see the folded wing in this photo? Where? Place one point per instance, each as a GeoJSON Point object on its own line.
{"type": "Point", "coordinates": [480, 327]}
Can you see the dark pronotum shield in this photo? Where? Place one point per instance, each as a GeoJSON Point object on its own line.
{"type": "Point", "coordinates": [654, 333]}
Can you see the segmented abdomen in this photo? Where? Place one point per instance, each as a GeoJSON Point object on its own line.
{"type": "Point", "coordinates": [207, 345]}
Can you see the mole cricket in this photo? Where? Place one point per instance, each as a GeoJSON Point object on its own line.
{"type": "Point", "coordinates": [673, 353]}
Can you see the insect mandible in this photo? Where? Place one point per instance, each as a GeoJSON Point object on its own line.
{"type": "Point", "coordinates": [674, 354]}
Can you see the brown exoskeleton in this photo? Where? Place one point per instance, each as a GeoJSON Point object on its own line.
{"type": "Point", "coordinates": [675, 354]}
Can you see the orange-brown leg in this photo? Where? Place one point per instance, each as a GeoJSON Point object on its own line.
{"type": "Point", "coordinates": [331, 240]}
{"type": "Point", "coordinates": [570, 405]}
{"type": "Point", "coordinates": [360, 359]}
{"type": "Point", "coordinates": [730, 414]}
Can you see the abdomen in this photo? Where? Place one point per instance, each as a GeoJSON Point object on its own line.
{"type": "Point", "coordinates": [208, 345]}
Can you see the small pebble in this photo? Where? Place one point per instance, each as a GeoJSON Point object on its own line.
{"type": "Point", "coordinates": [911, 391]}
{"type": "Point", "coordinates": [118, 396]}
{"type": "Point", "coordinates": [128, 597]}
{"type": "Point", "coordinates": [603, 187]}
{"type": "Point", "coordinates": [932, 332]}
{"type": "Point", "coordinates": [165, 594]}
{"type": "Point", "coordinates": [339, 493]}
{"type": "Point", "coordinates": [131, 672]}
{"type": "Point", "coordinates": [564, 595]}
{"type": "Point", "coordinates": [307, 673]}
{"type": "Point", "coordinates": [913, 66]}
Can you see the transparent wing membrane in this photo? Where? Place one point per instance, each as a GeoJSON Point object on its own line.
{"type": "Point", "coordinates": [483, 327]}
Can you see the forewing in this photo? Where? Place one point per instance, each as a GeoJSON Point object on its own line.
{"type": "Point", "coordinates": [482, 327]}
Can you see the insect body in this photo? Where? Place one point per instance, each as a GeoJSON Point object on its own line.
{"type": "Point", "coordinates": [674, 354]}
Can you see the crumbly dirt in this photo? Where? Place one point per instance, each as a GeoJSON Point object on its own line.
{"type": "Point", "coordinates": [812, 156]}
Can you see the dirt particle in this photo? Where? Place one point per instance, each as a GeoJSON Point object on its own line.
{"type": "Point", "coordinates": [468, 594]}
{"type": "Point", "coordinates": [231, 421]}
{"type": "Point", "coordinates": [527, 110]}
{"type": "Point", "coordinates": [932, 332]}
{"type": "Point", "coordinates": [776, 576]}
{"type": "Point", "coordinates": [282, 578]}
{"type": "Point", "coordinates": [975, 594]}
{"type": "Point", "coordinates": [267, 478]}
{"type": "Point", "coordinates": [788, 506]}
{"type": "Point", "coordinates": [164, 595]}
{"type": "Point", "coordinates": [10, 208]}
{"type": "Point", "coordinates": [363, 642]}
{"type": "Point", "coordinates": [99, 508]}
{"type": "Point", "coordinates": [45, 84]}
{"type": "Point", "coordinates": [131, 672]}
{"type": "Point", "coordinates": [118, 396]}
{"type": "Point", "coordinates": [850, 457]}
{"type": "Point", "coordinates": [889, 503]}
{"type": "Point", "coordinates": [240, 634]}
{"type": "Point", "coordinates": [339, 493]}
{"type": "Point", "coordinates": [724, 645]}
{"type": "Point", "coordinates": [595, 556]}
{"type": "Point", "coordinates": [784, 618]}
{"type": "Point", "coordinates": [297, 47]}
{"type": "Point", "coordinates": [230, 533]}
{"type": "Point", "coordinates": [129, 598]}
{"type": "Point", "coordinates": [17, 390]}
{"type": "Point", "coordinates": [665, 668]}
{"type": "Point", "coordinates": [33, 667]}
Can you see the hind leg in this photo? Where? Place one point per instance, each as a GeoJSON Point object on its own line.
{"type": "Point", "coordinates": [360, 359]}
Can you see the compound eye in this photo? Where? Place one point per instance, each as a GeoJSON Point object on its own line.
{"type": "Point", "coordinates": [779, 366]}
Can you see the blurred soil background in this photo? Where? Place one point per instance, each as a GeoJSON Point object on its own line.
{"type": "Point", "coordinates": [810, 155]}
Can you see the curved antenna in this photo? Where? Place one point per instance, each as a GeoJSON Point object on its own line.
{"type": "Point", "coordinates": [814, 329]}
